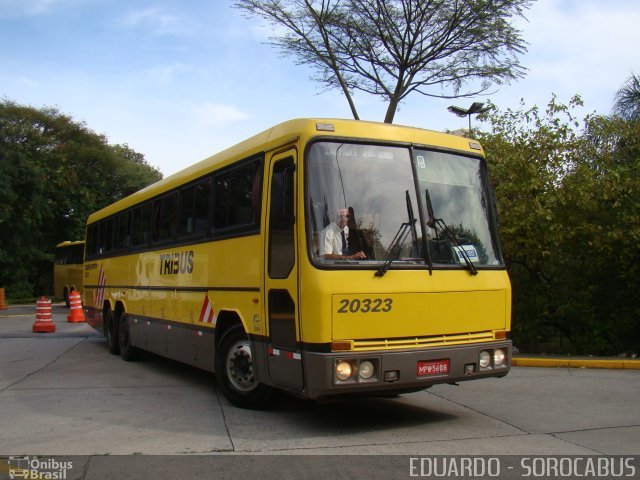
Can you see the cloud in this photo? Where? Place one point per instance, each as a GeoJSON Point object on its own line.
{"type": "Point", "coordinates": [7, 77]}
{"type": "Point", "coordinates": [166, 74]}
{"type": "Point", "coordinates": [154, 21]}
{"type": "Point", "coordinates": [12, 9]}
{"type": "Point", "coordinates": [581, 40]}
{"type": "Point", "coordinates": [30, 83]}
{"type": "Point", "coordinates": [576, 47]}
{"type": "Point", "coordinates": [216, 114]}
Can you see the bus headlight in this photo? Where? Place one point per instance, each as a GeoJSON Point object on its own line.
{"type": "Point", "coordinates": [366, 370]}
{"type": "Point", "coordinates": [485, 359]}
{"type": "Point", "coordinates": [344, 370]}
{"type": "Point", "coordinates": [499, 357]}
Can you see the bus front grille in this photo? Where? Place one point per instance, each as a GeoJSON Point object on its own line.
{"type": "Point", "coordinates": [422, 342]}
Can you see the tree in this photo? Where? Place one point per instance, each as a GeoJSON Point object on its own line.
{"type": "Point", "coordinates": [55, 172]}
{"type": "Point", "coordinates": [627, 103]}
{"type": "Point", "coordinates": [569, 205]}
{"type": "Point", "coordinates": [393, 48]}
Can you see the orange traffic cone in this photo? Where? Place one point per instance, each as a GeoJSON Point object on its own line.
{"type": "Point", "coordinates": [44, 320]}
{"type": "Point", "coordinates": [3, 304]}
{"type": "Point", "coordinates": [75, 303]}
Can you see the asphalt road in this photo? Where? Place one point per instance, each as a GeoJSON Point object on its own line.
{"type": "Point", "coordinates": [62, 393]}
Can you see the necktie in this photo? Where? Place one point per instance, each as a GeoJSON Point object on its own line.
{"type": "Point", "coordinates": [344, 242]}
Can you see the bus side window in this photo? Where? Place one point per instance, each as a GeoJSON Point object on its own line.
{"type": "Point", "coordinates": [146, 223]}
{"type": "Point", "coordinates": [106, 236]}
{"type": "Point", "coordinates": [141, 225]}
{"type": "Point", "coordinates": [194, 209]}
{"type": "Point", "coordinates": [235, 205]}
{"type": "Point", "coordinates": [76, 254]}
{"type": "Point", "coordinates": [122, 240]}
{"type": "Point", "coordinates": [164, 218]}
{"type": "Point", "coordinates": [93, 238]}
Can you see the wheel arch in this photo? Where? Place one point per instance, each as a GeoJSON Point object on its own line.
{"type": "Point", "coordinates": [227, 319]}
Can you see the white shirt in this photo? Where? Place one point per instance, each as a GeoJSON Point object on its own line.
{"type": "Point", "coordinates": [331, 240]}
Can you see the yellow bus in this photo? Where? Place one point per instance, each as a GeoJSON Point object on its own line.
{"type": "Point", "coordinates": [320, 257]}
{"type": "Point", "coordinates": [68, 269]}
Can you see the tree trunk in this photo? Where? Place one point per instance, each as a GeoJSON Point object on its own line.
{"type": "Point", "coordinates": [391, 110]}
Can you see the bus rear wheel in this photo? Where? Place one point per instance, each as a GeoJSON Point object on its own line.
{"type": "Point", "coordinates": [235, 372]}
{"type": "Point", "coordinates": [111, 332]}
{"type": "Point", "coordinates": [128, 352]}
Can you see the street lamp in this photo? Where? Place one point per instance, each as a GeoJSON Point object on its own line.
{"type": "Point", "coordinates": [474, 109]}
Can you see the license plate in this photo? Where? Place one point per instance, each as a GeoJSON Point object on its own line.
{"type": "Point", "coordinates": [433, 367]}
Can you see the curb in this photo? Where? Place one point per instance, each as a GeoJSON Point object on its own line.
{"type": "Point", "coordinates": [620, 364]}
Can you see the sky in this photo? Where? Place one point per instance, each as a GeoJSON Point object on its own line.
{"type": "Point", "coordinates": [179, 80]}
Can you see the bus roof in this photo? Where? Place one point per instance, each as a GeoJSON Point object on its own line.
{"type": "Point", "coordinates": [287, 132]}
{"type": "Point", "coordinates": [69, 243]}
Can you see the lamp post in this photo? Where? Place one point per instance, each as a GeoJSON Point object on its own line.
{"type": "Point", "coordinates": [474, 109]}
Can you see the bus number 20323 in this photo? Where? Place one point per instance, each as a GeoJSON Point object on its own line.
{"type": "Point", "coordinates": [365, 305]}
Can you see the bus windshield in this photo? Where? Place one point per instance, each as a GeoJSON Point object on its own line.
{"type": "Point", "coordinates": [365, 208]}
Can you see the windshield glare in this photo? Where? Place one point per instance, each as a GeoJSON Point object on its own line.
{"type": "Point", "coordinates": [362, 207]}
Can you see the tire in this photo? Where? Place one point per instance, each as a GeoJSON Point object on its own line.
{"type": "Point", "coordinates": [128, 352]}
{"type": "Point", "coordinates": [111, 332]}
{"type": "Point", "coordinates": [235, 372]}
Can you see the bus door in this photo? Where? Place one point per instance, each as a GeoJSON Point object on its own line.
{"type": "Point", "coordinates": [281, 276]}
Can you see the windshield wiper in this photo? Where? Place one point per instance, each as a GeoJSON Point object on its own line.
{"type": "Point", "coordinates": [436, 223]}
{"type": "Point", "coordinates": [398, 240]}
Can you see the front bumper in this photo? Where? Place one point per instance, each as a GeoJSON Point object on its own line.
{"type": "Point", "coordinates": [397, 371]}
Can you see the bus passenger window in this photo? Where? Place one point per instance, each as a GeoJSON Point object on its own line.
{"type": "Point", "coordinates": [164, 215]}
{"type": "Point", "coordinates": [194, 209]}
{"type": "Point", "coordinates": [234, 202]}
{"type": "Point", "coordinates": [106, 236]}
{"type": "Point", "coordinates": [141, 225]}
{"type": "Point", "coordinates": [122, 231]}
{"type": "Point", "coordinates": [92, 239]}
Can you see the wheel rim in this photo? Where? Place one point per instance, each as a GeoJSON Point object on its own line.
{"type": "Point", "coordinates": [240, 366]}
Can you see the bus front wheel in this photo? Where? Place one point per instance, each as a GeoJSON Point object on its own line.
{"type": "Point", "coordinates": [235, 372]}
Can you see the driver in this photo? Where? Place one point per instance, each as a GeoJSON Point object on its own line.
{"type": "Point", "coordinates": [334, 239]}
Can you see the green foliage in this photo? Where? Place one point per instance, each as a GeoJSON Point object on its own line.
{"type": "Point", "coordinates": [628, 99]}
{"type": "Point", "coordinates": [55, 172]}
{"type": "Point", "coordinates": [569, 205]}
